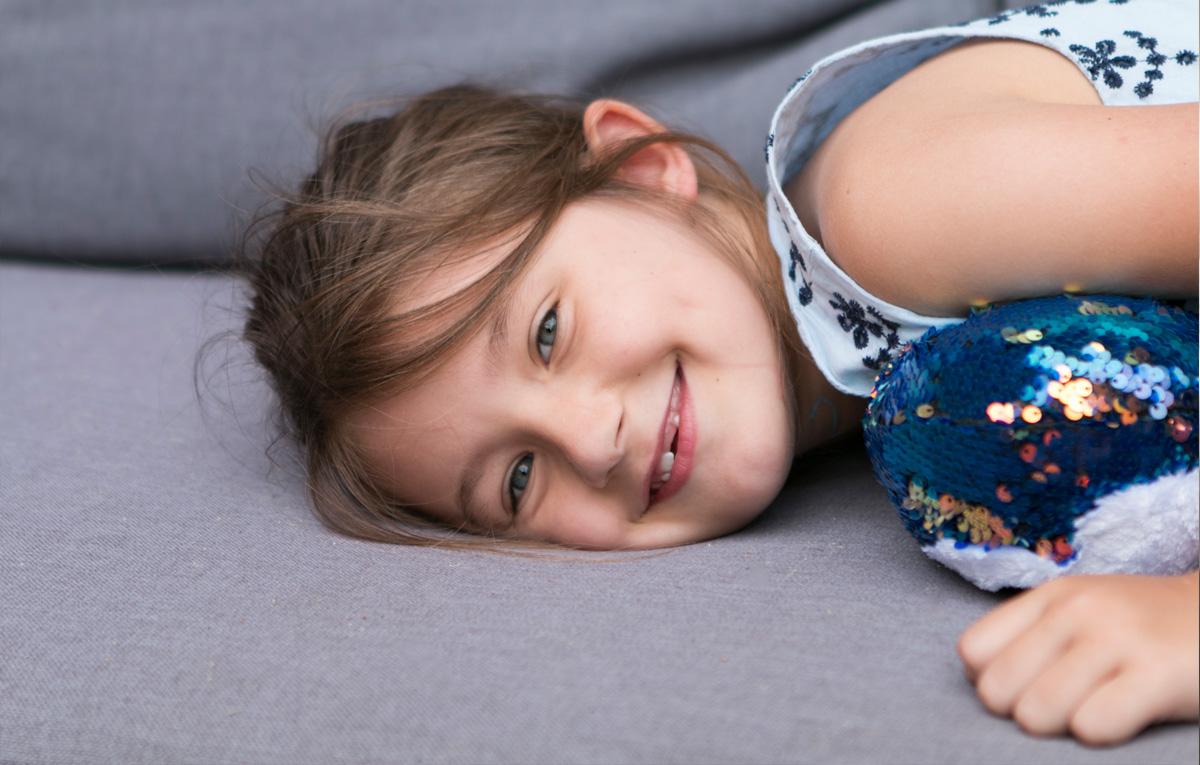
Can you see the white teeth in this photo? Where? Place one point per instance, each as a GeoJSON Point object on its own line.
{"type": "Point", "coordinates": [666, 463]}
{"type": "Point", "coordinates": [664, 467]}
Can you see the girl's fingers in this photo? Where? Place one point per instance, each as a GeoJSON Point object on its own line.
{"type": "Point", "coordinates": [983, 640]}
{"type": "Point", "coordinates": [1116, 710]}
{"type": "Point", "coordinates": [1046, 706]}
{"type": "Point", "coordinates": [1023, 660]}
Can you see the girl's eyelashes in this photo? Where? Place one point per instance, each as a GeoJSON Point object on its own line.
{"type": "Point", "coordinates": [547, 332]}
{"type": "Point", "coordinates": [518, 479]}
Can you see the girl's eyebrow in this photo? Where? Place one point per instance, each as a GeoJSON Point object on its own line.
{"type": "Point", "coordinates": [497, 335]}
{"type": "Point", "coordinates": [467, 483]}
{"type": "Point", "coordinates": [466, 495]}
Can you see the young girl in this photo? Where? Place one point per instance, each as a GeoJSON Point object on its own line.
{"type": "Point", "coordinates": [564, 326]}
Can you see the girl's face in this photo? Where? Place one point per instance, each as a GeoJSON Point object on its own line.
{"type": "Point", "coordinates": [552, 423]}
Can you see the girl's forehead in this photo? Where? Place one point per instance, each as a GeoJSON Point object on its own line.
{"type": "Point", "coordinates": [586, 223]}
{"type": "Point", "coordinates": [413, 438]}
{"type": "Point", "coordinates": [450, 273]}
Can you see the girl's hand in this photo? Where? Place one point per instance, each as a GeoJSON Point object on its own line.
{"type": "Point", "coordinates": [1101, 655]}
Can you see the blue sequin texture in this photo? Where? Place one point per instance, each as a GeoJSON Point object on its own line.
{"type": "Point", "coordinates": [1007, 427]}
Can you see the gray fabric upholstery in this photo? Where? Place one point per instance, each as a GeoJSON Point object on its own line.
{"type": "Point", "coordinates": [168, 595]}
{"type": "Point", "coordinates": [130, 127]}
{"type": "Point", "coordinates": [170, 598]}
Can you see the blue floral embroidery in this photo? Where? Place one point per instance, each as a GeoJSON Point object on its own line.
{"type": "Point", "coordinates": [1041, 11]}
{"type": "Point", "coordinates": [1038, 10]}
{"type": "Point", "coordinates": [851, 318]}
{"type": "Point", "coordinates": [797, 257]}
{"type": "Point", "coordinates": [1100, 60]}
{"type": "Point", "coordinates": [1156, 60]}
{"type": "Point", "coordinates": [767, 148]}
{"type": "Point", "coordinates": [782, 219]}
{"type": "Point", "coordinates": [804, 293]}
{"type": "Point", "coordinates": [881, 357]}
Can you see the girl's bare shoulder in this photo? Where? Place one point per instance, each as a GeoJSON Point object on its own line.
{"type": "Point", "coordinates": [977, 75]}
{"type": "Point", "coordinates": [987, 174]}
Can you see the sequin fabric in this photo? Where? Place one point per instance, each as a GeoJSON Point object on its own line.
{"type": "Point", "coordinates": [1007, 427]}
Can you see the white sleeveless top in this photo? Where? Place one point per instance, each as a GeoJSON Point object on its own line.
{"type": "Point", "coordinates": [1136, 52]}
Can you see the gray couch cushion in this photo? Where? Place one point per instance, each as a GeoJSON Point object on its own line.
{"type": "Point", "coordinates": [169, 597]}
{"type": "Point", "coordinates": [130, 126]}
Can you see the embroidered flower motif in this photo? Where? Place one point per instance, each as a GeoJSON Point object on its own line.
{"type": "Point", "coordinates": [804, 293]}
{"type": "Point", "coordinates": [1099, 60]}
{"type": "Point", "coordinates": [852, 318]}
{"type": "Point", "coordinates": [1156, 59]}
{"type": "Point", "coordinates": [782, 219]}
{"type": "Point", "coordinates": [767, 148]}
{"type": "Point", "coordinates": [1050, 32]}
{"type": "Point", "coordinates": [1039, 10]}
{"type": "Point", "coordinates": [876, 362]}
{"type": "Point", "coordinates": [796, 257]}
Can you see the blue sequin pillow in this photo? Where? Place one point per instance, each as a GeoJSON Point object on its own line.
{"type": "Point", "coordinates": [1045, 436]}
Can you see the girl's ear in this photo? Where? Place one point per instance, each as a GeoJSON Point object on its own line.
{"type": "Point", "coordinates": [661, 165]}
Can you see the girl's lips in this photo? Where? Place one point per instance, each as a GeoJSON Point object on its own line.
{"type": "Point", "coordinates": [685, 445]}
{"type": "Point", "coordinates": [659, 446]}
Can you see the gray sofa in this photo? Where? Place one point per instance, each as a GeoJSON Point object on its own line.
{"type": "Point", "coordinates": [169, 597]}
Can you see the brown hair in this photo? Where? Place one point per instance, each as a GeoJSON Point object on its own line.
{"type": "Point", "coordinates": [395, 196]}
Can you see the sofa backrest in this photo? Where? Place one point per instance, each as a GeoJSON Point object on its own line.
{"type": "Point", "coordinates": [131, 127]}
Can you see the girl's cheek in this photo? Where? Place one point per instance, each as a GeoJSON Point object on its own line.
{"type": "Point", "coordinates": [598, 526]}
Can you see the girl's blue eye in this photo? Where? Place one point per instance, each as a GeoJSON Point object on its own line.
{"type": "Point", "coordinates": [546, 333]}
{"type": "Point", "coordinates": [519, 479]}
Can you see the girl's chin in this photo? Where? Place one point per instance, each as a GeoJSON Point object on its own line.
{"type": "Point", "coordinates": [690, 525]}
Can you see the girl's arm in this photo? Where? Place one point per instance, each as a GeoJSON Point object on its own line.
{"type": "Point", "coordinates": [933, 208]}
{"type": "Point", "coordinates": [1100, 656]}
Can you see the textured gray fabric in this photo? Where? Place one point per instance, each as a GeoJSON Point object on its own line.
{"type": "Point", "coordinates": [170, 599]}
{"type": "Point", "coordinates": [129, 126]}
{"type": "Point", "coordinates": [168, 595]}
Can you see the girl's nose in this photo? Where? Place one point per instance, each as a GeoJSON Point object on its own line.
{"type": "Point", "coordinates": [585, 425]}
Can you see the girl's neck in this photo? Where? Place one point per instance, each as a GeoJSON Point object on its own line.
{"type": "Point", "coordinates": [824, 413]}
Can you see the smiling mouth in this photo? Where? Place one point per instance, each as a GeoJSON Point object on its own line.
{"type": "Point", "coordinates": [666, 456]}
{"type": "Point", "coordinates": [671, 466]}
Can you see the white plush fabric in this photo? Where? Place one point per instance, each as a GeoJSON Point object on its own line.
{"type": "Point", "coordinates": [1150, 528]}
